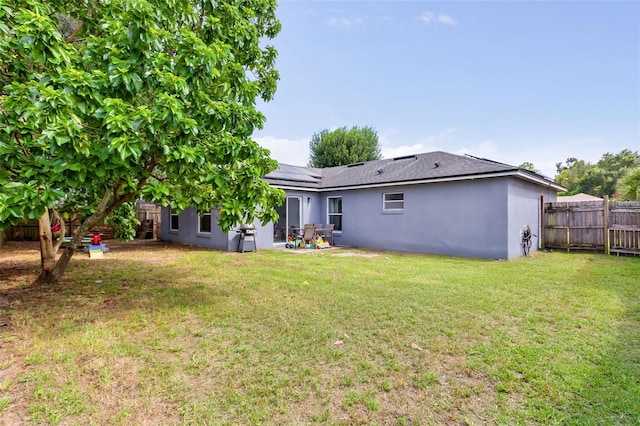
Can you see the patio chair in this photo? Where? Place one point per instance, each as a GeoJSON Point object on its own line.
{"type": "Point", "coordinates": [318, 228]}
{"type": "Point", "coordinates": [328, 232]}
{"type": "Point", "coordinates": [308, 233]}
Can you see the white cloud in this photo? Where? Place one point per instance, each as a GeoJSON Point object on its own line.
{"type": "Point", "coordinates": [428, 144]}
{"type": "Point", "coordinates": [443, 136]}
{"type": "Point", "coordinates": [447, 20]}
{"type": "Point", "coordinates": [338, 19]}
{"type": "Point", "coordinates": [486, 149]}
{"type": "Point", "coordinates": [401, 151]}
{"type": "Point", "coordinates": [427, 17]}
{"type": "Point", "coordinates": [342, 22]}
{"type": "Point", "coordinates": [288, 151]}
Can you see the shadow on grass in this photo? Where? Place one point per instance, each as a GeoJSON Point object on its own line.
{"type": "Point", "coordinates": [143, 277]}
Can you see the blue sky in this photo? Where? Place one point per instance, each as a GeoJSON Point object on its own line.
{"type": "Point", "coordinates": [509, 81]}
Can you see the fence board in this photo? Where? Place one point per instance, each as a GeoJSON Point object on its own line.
{"type": "Point", "coordinates": [603, 226]}
{"type": "Point", "coordinates": [29, 230]}
{"type": "Point", "coordinates": [149, 217]}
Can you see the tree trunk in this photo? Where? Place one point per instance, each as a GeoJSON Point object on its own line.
{"type": "Point", "coordinates": [61, 265]}
{"type": "Point", "coordinates": [61, 233]}
{"type": "Point", "coordinates": [103, 210]}
{"type": "Point", "coordinates": [63, 261]}
{"type": "Point", "coordinates": [47, 251]}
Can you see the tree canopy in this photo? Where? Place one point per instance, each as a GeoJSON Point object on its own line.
{"type": "Point", "coordinates": [343, 146]}
{"type": "Point", "coordinates": [598, 179]}
{"type": "Point", "coordinates": [102, 102]}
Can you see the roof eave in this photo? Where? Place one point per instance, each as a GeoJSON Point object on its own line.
{"type": "Point", "coordinates": [540, 180]}
{"type": "Point", "coordinates": [514, 173]}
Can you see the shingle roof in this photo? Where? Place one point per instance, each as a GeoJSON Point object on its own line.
{"type": "Point", "coordinates": [436, 165]}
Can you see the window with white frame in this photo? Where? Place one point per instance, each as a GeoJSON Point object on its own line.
{"type": "Point", "coordinates": [392, 201]}
{"type": "Point", "coordinates": [174, 223]}
{"type": "Point", "coordinates": [334, 212]}
{"type": "Point", "coordinates": [204, 223]}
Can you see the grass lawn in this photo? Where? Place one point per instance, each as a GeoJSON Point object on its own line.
{"type": "Point", "coordinates": [163, 334]}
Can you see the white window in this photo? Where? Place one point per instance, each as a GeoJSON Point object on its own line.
{"type": "Point", "coordinates": [174, 223]}
{"type": "Point", "coordinates": [334, 212]}
{"type": "Point", "coordinates": [204, 223]}
{"type": "Point", "coordinates": [393, 201]}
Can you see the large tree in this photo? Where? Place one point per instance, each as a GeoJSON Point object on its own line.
{"type": "Point", "coordinates": [598, 179]}
{"type": "Point", "coordinates": [343, 146]}
{"type": "Point", "coordinates": [102, 102]}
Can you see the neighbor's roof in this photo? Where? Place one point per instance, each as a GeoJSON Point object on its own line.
{"type": "Point", "coordinates": [435, 166]}
{"type": "Point", "coordinates": [577, 198]}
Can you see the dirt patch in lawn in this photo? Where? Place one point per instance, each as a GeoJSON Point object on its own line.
{"type": "Point", "coordinates": [20, 260]}
{"type": "Point", "coordinates": [20, 265]}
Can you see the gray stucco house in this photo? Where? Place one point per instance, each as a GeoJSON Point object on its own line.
{"type": "Point", "coordinates": [434, 202]}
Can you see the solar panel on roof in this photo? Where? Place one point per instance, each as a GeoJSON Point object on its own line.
{"type": "Point", "coordinates": [294, 173]}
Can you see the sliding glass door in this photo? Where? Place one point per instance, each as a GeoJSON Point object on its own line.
{"type": "Point", "coordinates": [290, 213]}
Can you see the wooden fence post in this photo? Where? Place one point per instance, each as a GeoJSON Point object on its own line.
{"type": "Point", "coordinates": [605, 225]}
{"type": "Point", "coordinates": [542, 224]}
{"type": "Point", "coordinates": [568, 230]}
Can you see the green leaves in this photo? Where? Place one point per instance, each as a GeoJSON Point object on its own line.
{"type": "Point", "coordinates": [341, 146]}
{"type": "Point", "coordinates": [598, 179]}
{"type": "Point", "coordinates": [629, 185]}
{"type": "Point", "coordinates": [131, 97]}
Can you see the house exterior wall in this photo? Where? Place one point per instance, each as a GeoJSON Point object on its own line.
{"type": "Point", "coordinates": [524, 209]}
{"type": "Point", "coordinates": [188, 230]}
{"type": "Point", "coordinates": [228, 241]}
{"type": "Point", "coordinates": [476, 218]}
{"type": "Point", "coordinates": [465, 218]}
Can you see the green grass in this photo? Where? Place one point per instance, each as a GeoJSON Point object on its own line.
{"type": "Point", "coordinates": [226, 338]}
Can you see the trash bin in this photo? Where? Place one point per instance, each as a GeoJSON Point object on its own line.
{"type": "Point", "coordinates": [247, 235]}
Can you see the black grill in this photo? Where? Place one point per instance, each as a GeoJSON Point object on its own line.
{"type": "Point", "coordinates": [247, 235]}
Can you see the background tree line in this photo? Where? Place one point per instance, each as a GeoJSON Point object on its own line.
{"type": "Point", "coordinates": [615, 175]}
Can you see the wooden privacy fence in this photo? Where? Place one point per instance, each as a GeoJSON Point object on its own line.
{"type": "Point", "coordinates": [600, 226]}
{"type": "Point", "coordinates": [28, 230]}
{"type": "Point", "coordinates": [149, 217]}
